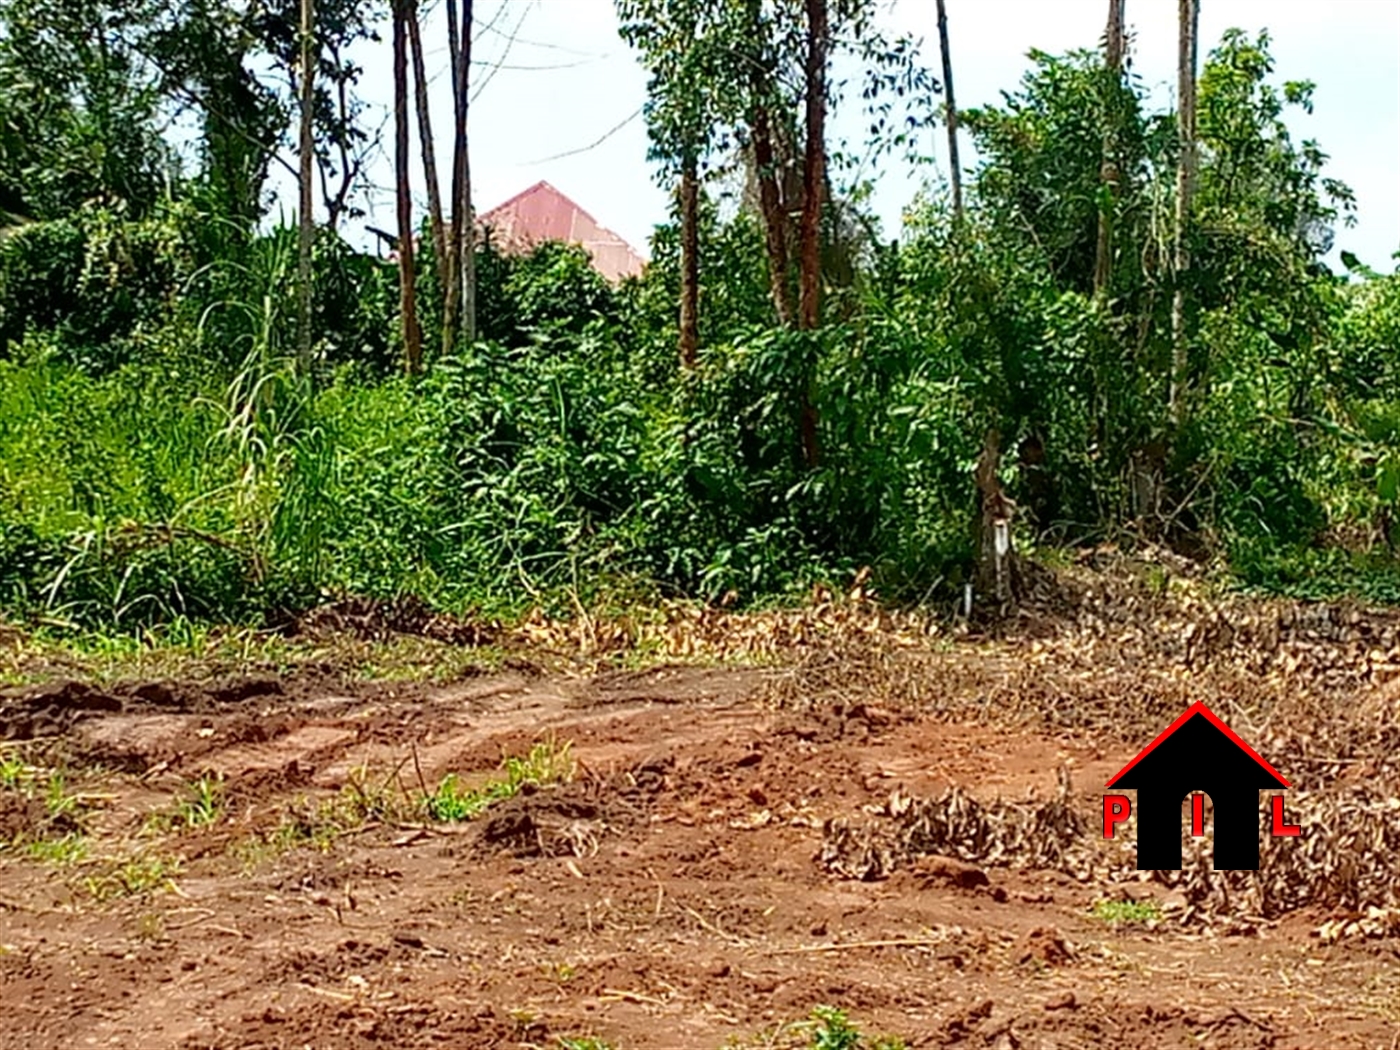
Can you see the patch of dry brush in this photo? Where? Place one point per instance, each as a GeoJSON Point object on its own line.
{"type": "Point", "coordinates": [1314, 687]}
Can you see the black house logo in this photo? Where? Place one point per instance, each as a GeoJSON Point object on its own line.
{"type": "Point", "coordinates": [1198, 753]}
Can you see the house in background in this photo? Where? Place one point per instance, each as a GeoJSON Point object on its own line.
{"type": "Point", "coordinates": [541, 213]}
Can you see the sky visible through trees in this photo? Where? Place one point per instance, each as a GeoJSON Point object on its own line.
{"type": "Point", "coordinates": [560, 80]}
{"type": "Point", "coordinates": [1137, 330]}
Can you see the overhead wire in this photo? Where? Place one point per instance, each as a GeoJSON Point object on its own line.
{"type": "Point", "coordinates": [510, 43]}
{"type": "Point", "coordinates": [511, 35]}
{"type": "Point", "coordinates": [490, 28]}
{"type": "Point", "coordinates": [588, 59]}
{"type": "Point", "coordinates": [592, 145]}
{"type": "Point", "coordinates": [491, 25]}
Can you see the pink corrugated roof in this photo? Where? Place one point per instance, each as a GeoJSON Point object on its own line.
{"type": "Point", "coordinates": [541, 213]}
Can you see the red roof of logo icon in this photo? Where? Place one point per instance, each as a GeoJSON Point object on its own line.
{"type": "Point", "coordinates": [1195, 709]}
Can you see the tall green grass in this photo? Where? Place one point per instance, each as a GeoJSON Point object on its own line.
{"type": "Point", "coordinates": [214, 479]}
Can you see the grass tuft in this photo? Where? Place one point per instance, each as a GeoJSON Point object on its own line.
{"type": "Point", "coordinates": [131, 877]}
{"type": "Point", "coordinates": [547, 763]}
{"type": "Point", "coordinates": [826, 1028]}
{"type": "Point", "coordinates": [1126, 913]}
{"type": "Point", "coordinates": [203, 802]}
{"type": "Point", "coordinates": [62, 851]}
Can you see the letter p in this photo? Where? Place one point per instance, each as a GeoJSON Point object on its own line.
{"type": "Point", "coordinates": [1116, 809]}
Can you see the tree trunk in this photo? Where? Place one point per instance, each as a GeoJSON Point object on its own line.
{"type": "Point", "coordinates": [775, 230]}
{"type": "Point", "coordinates": [765, 162]}
{"type": "Point", "coordinates": [1108, 170]}
{"type": "Point", "coordinates": [1190, 11]}
{"type": "Point", "coordinates": [307, 224]}
{"type": "Point", "coordinates": [425, 142]}
{"type": "Point", "coordinates": [468, 266]}
{"type": "Point", "coordinates": [463, 262]}
{"type": "Point", "coordinates": [451, 280]}
{"type": "Point", "coordinates": [408, 308]}
{"type": "Point", "coordinates": [813, 197]}
{"type": "Point", "coordinates": [954, 169]}
{"type": "Point", "coordinates": [813, 168]}
{"type": "Point", "coordinates": [690, 262]}
{"type": "Point", "coordinates": [996, 563]}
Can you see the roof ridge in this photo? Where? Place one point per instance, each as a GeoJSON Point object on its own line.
{"type": "Point", "coordinates": [544, 184]}
{"type": "Point", "coordinates": [1199, 708]}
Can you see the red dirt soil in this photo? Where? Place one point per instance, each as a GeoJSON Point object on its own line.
{"type": "Point", "coordinates": [669, 896]}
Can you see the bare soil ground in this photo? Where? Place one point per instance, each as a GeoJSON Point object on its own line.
{"type": "Point", "coordinates": [690, 886]}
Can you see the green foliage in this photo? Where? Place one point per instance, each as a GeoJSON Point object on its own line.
{"type": "Point", "coordinates": [1260, 456]}
{"type": "Point", "coordinates": [742, 513]}
{"type": "Point", "coordinates": [1317, 574]}
{"type": "Point", "coordinates": [131, 877]}
{"type": "Point", "coordinates": [551, 295]}
{"type": "Point", "coordinates": [13, 771]}
{"type": "Point", "coordinates": [547, 763]}
{"type": "Point", "coordinates": [1040, 179]}
{"type": "Point", "coordinates": [834, 1030]}
{"type": "Point", "coordinates": [683, 45]}
{"type": "Point", "coordinates": [57, 836]}
{"type": "Point", "coordinates": [100, 286]}
{"type": "Point", "coordinates": [501, 470]}
{"type": "Point", "coordinates": [1126, 913]}
{"type": "Point", "coordinates": [165, 459]}
{"type": "Point", "coordinates": [1253, 177]}
{"type": "Point", "coordinates": [1365, 349]}
{"type": "Point", "coordinates": [63, 851]}
{"type": "Point", "coordinates": [353, 294]}
{"type": "Point", "coordinates": [88, 89]}
{"type": "Point", "coordinates": [202, 802]}
{"type": "Point", "coordinates": [78, 109]}
{"type": "Point", "coordinates": [555, 291]}
{"type": "Point", "coordinates": [730, 308]}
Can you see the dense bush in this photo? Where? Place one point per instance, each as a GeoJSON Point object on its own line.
{"type": "Point", "coordinates": [163, 455]}
{"type": "Point", "coordinates": [95, 281]}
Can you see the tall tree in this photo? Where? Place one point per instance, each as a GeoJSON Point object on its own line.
{"type": "Point", "coordinates": [1189, 17]}
{"type": "Point", "coordinates": [307, 221]}
{"type": "Point", "coordinates": [425, 143]}
{"type": "Point", "coordinates": [813, 197]}
{"type": "Point", "coordinates": [813, 166]}
{"type": "Point", "coordinates": [467, 243]}
{"type": "Point", "coordinates": [755, 72]}
{"type": "Point", "coordinates": [459, 303]}
{"type": "Point", "coordinates": [690, 261]}
{"type": "Point", "coordinates": [677, 41]}
{"type": "Point", "coordinates": [763, 99]}
{"type": "Point", "coordinates": [231, 67]}
{"type": "Point", "coordinates": [78, 108]}
{"type": "Point", "coordinates": [954, 168]}
{"type": "Point", "coordinates": [1114, 45]}
{"type": "Point", "coordinates": [343, 145]}
{"type": "Point", "coordinates": [408, 308]}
